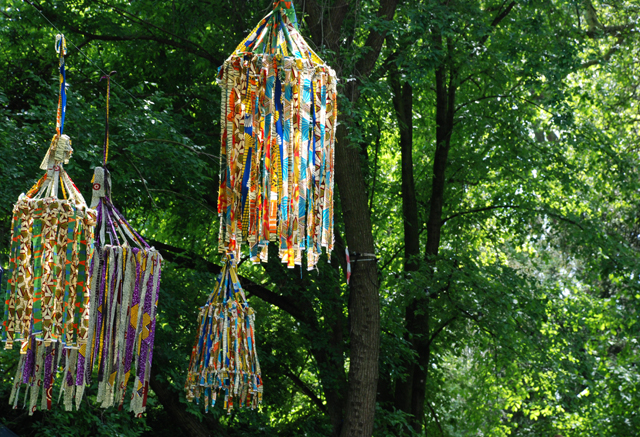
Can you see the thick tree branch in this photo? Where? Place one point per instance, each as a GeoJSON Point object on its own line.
{"type": "Point", "coordinates": [501, 16]}
{"type": "Point", "coordinates": [472, 211]}
{"type": "Point", "coordinates": [189, 423]}
{"type": "Point", "coordinates": [306, 390]}
{"type": "Point", "coordinates": [190, 260]}
{"type": "Point", "coordinates": [606, 56]}
{"type": "Point", "coordinates": [374, 41]}
{"type": "Point", "coordinates": [540, 211]}
{"type": "Point", "coordinates": [610, 30]}
{"type": "Point", "coordinates": [326, 31]}
{"type": "Point", "coordinates": [190, 47]}
{"type": "Point", "coordinates": [440, 329]}
{"type": "Point", "coordinates": [200, 51]}
{"type": "Point", "coordinates": [154, 38]}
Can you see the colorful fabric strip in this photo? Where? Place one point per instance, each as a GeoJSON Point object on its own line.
{"type": "Point", "coordinates": [278, 151]}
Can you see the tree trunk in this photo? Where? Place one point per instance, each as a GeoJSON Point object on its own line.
{"type": "Point", "coordinates": [403, 105]}
{"type": "Point", "coordinates": [330, 361]}
{"type": "Point", "coordinates": [418, 313]}
{"type": "Point", "coordinates": [364, 303]}
{"type": "Point", "coordinates": [326, 28]}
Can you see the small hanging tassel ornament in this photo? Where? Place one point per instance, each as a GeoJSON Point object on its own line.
{"type": "Point", "coordinates": [47, 298]}
{"type": "Point", "coordinates": [224, 361]}
{"type": "Point", "coordinates": [125, 284]}
{"type": "Point", "coordinates": [278, 120]}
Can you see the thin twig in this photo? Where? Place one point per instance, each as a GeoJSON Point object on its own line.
{"type": "Point", "coordinates": [197, 152]}
{"type": "Point", "coordinates": [435, 416]}
{"type": "Point", "coordinates": [145, 185]}
{"type": "Point", "coordinates": [306, 390]}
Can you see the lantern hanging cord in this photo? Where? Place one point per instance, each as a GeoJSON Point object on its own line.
{"type": "Point", "coordinates": [277, 34]}
{"type": "Point", "coordinates": [82, 53]}
{"type": "Point", "coordinates": [105, 153]}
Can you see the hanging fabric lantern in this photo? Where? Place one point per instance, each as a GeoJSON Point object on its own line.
{"type": "Point", "coordinates": [278, 119]}
{"type": "Point", "coordinates": [47, 298]}
{"type": "Point", "coordinates": [125, 283]}
{"type": "Point", "coordinates": [224, 359]}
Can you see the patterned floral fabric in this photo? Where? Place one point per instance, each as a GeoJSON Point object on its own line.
{"type": "Point", "coordinates": [47, 299]}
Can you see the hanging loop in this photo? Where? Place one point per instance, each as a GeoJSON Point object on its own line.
{"type": "Point", "coordinates": [61, 48]}
{"type": "Point", "coordinates": [61, 43]}
{"type": "Point", "coordinates": [60, 149]}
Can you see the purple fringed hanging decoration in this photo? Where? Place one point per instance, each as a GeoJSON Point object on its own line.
{"type": "Point", "coordinates": [125, 283]}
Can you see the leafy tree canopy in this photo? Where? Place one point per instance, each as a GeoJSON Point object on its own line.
{"type": "Point", "coordinates": [488, 153]}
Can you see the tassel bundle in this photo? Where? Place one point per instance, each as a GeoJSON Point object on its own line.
{"type": "Point", "coordinates": [47, 296]}
{"type": "Point", "coordinates": [124, 294]}
{"type": "Point", "coordinates": [278, 120]}
{"type": "Point", "coordinates": [224, 360]}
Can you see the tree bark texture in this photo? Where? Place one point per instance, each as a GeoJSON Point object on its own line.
{"type": "Point", "coordinates": [403, 104]}
{"type": "Point", "coordinates": [364, 301]}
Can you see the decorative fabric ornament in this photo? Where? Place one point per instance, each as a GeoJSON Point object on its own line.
{"type": "Point", "coordinates": [278, 119]}
{"type": "Point", "coordinates": [278, 116]}
{"type": "Point", "coordinates": [224, 357]}
{"type": "Point", "coordinates": [47, 297]}
{"type": "Point", "coordinates": [125, 283]}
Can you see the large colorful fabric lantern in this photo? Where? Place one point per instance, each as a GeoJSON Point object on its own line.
{"type": "Point", "coordinates": [125, 283]}
{"type": "Point", "coordinates": [47, 296]}
{"type": "Point", "coordinates": [278, 118]}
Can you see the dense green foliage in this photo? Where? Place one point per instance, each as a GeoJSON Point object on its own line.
{"type": "Point", "coordinates": [530, 301]}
